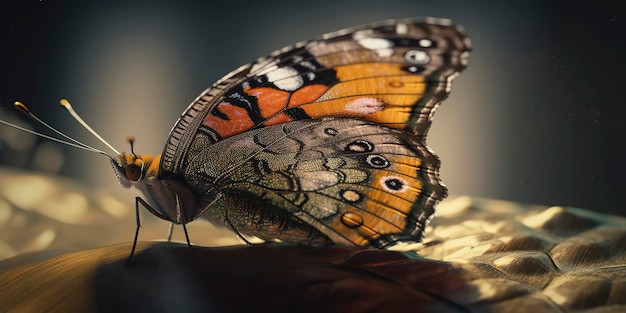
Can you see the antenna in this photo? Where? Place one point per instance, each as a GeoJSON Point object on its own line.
{"type": "Point", "coordinates": [72, 142]}
{"type": "Point", "coordinates": [66, 104]}
{"type": "Point", "coordinates": [131, 140]}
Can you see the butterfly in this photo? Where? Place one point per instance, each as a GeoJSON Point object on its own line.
{"type": "Point", "coordinates": [322, 142]}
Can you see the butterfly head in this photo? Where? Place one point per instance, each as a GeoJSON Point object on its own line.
{"type": "Point", "coordinates": [132, 168]}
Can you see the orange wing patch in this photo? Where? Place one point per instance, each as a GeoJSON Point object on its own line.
{"type": "Point", "coordinates": [307, 94]}
{"type": "Point", "coordinates": [389, 201]}
{"type": "Point", "coordinates": [358, 225]}
{"type": "Point", "coordinates": [269, 100]}
{"type": "Point", "coordinates": [361, 226]}
{"type": "Point", "coordinates": [395, 188]}
{"type": "Point", "coordinates": [379, 92]}
{"type": "Point", "coordinates": [238, 120]}
{"type": "Point", "coordinates": [272, 102]}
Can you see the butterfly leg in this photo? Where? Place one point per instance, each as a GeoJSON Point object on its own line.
{"type": "Point", "coordinates": [170, 232]}
{"type": "Point", "coordinates": [138, 200]}
{"type": "Point", "coordinates": [186, 235]}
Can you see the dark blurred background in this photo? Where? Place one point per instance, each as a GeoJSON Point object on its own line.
{"type": "Point", "coordinates": [536, 118]}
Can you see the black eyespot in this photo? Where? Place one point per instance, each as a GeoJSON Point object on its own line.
{"type": "Point", "coordinates": [377, 161]}
{"type": "Point", "coordinates": [330, 131]}
{"type": "Point", "coordinates": [417, 57]}
{"type": "Point", "coordinates": [360, 146]}
{"type": "Point", "coordinates": [394, 184]}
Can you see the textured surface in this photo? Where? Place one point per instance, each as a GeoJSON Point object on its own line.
{"type": "Point", "coordinates": [479, 256]}
{"type": "Point", "coordinates": [40, 212]}
{"type": "Point", "coordinates": [555, 258]}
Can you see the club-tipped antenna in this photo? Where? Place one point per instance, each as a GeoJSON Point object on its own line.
{"type": "Point", "coordinates": [131, 141]}
{"type": "Point", "coordinates": [72, 142]}
{"type": "Point", "coordinates": [24, 109]}
{"type": "Point", "coordinates": [66, 104]}
{"type": "Point", "coordinates": [78, 145]}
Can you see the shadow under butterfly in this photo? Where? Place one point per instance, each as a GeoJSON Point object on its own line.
{"type": "Point", "coordinates": [321, 142]}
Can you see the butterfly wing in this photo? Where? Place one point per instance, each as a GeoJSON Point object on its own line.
{"type": "Point", "coordinates": [393, 72]}
{"type": "Point", "coordinates": [390, 75]}
{"type": "Point", "coordinates": [356, 182]}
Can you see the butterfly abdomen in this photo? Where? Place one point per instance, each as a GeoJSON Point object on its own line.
{"type": "Point", "coordinates": [248, 215]}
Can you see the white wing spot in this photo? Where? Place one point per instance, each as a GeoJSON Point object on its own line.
{"type": "Point", "coordinates": [363, 34]}
{"type": "Point", "coordinates": [385, 53]}
{"type": "Point", "coordinates": [412, 69]}
{"type": "Point", "coordinates": [365, 105]}
{"type": "Point", "coordinates": [382, 46]}
{"type": "Point", "coordinates": [425, 43]}
{"type": "Point", "coordinates": [401, 28]}
{"type": "Point", "coordinates": [375, 43]}
{"type": "Point", "coordinates": [285, 78]}
{"type": "Point", "coordinates": [263, 65]}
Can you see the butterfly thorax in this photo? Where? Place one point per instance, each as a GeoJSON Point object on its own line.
{"type": "Point", "coordinates": [169, 198]}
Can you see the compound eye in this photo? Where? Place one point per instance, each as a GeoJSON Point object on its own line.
{"type": "Point", "coordinates": [134, 170]}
